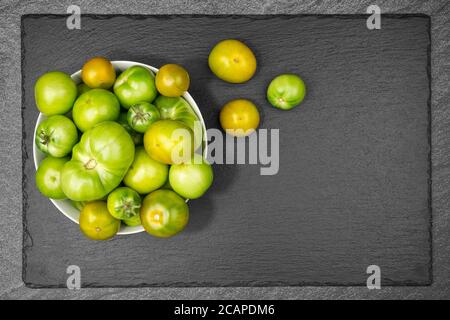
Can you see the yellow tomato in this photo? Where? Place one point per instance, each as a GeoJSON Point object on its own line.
{"type": "Point", "coordinates": [97, 223]}
{"type": "Point", "coordinates": [169, 142]}
{"type": "Point", "coordinates": [239, 117]}
{"type": "Point", "coordinates": [172, 80]}
{"type": "Point", "coordinates": [98, 73]}
{"type": "Point", "coordinates": [232, 61]}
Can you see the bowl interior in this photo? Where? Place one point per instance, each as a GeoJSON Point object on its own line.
{"type": "Point", "coordinates": [65, 206]}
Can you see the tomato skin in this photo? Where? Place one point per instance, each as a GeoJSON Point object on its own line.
{"type": "Point", "coordinates": [98, 72]}
{"type": "Point", "coordinates": [179, 109]}
{"type": "Point", "coordinates": [232, 61]}
{"type": "Point", "coordinates": [55, 92]}
{"type": "Point", "coordinates": [137, 137]}
{"type": "Point", "coordinates": [134, 85]}
{"type": "Point", "coordinates": [172, 80]}
{"type": "Point", "coordinates": [97, 223]}
{"type": "Point", "coordinates": [99, 162]}
{"type": "Point", "coordinates": [140, 116]}
{"type": "Point", "coordinates": [145, 174]}
{"type": "Point", "coordinates": [124, 203]}
{"type": "Point", "coordinates": [286, 91]}
{"type": "Point", "coordinates": [164, 213]}
{"type": "Point", "coordinates": [48, 177]}
{"type": "Point", "coordinates": [94, 107]}
{"type": "Point", "coordinates": [169, 141]}
{"type": "Point", "coordinates": [239, 117]}
{"type": "Point", "coordinates": [56, 136]}
{"type": "Point", "coordinates": [191, 180]}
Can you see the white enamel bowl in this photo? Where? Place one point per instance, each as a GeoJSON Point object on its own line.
{"type": "Point", "coordinates": [65, 206]}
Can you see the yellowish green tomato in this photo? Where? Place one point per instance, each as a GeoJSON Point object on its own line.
{"type": "Point", "coordinates": [169, 141]}
{"type": "Point", "coordinates": [48, 177]}
{"type": "Point", "coordinates": [145, 174]}
{"type": "Point", "coordinates": [56, 136]}
{"type": "Point", "coordinates": [124, 203]}
{"type": "Point", "coordinates": [172, 80]}
{"type": "Point", "coordinates": [232, 61]}
{"type": "Point", "coordinates": [191, 180]}
{"type": "Point", "coordinates": [239, 117]}
{"type": "Point", "coordinates": [97, 223]}
{"type": "Point", "coordinates": [286, 91]}
{"type": "Point", "coordinates": [164, 213]}
{"type": "Point", "coordinates": [95, 106]}
{"type": "Point", "coordinates": [55, 92]}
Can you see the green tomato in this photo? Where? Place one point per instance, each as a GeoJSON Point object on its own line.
{"type": "Point", "coordinates": [134, 221]}
{"type": "Point", "coordinates": [82, 88]}
{"type": "Point", "coordinates": [94, 107]}
{"type": "Point", "coordinates": [164, 213]}
{"type": "Point", "coordinates": [145, 174]}
{"type": "Point", "coordinates": [55, 93]}
{"type": "Point", "coordinates": [179, 109]}
{"type": "Point", "coordinates": [48, 177]}
{"type": "Point", "coordinates": [286, 91]}
{"type": "Point", "coordinates": [136, 136]}
{"type": "Point", "coordinates": [142, 115]}
{"type": "Point", "coordinates": [124, 203]}
{"type": "Point", "coordinates": [56, 136]}
{"type": "Point", "coordinates": [191, 180]}
{"type": "Point", "coordinates": [99, 162]}
{"type": "Point", "coordinates": [134, 85]}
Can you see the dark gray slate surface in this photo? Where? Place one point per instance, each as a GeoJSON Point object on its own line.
{"type": "Point", "coordinates": [354, 159]}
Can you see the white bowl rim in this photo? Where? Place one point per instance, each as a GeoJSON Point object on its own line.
{"type": "Point", "coordinates": [65, 206]}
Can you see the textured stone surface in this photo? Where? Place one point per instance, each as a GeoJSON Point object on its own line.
{"type": "Point", "coordinates": [353, 184]}
{"type": "Point", "coordinates": [11, 235]}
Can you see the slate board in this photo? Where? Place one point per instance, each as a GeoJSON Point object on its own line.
{"type": "Point", "coordinates": [353, 188]}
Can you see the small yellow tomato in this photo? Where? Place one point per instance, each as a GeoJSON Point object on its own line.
{"type": "Point", "coordinates": [232, 61]}
{"type": "Point", "coordinates": [98, 72]}
{"type": "Point", "coordinates": [97, 223]}
{"type": "Point", "coordinates": [172, 80]}
{"type": "Point", "coordinates": [239, 117]}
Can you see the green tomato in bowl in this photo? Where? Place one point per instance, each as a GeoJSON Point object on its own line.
{"type": "Point", "coordinates": [99, 162]}
{"type": "Point", "coordinates": [191, 180]}
{"type": "Point", "coordinates": [179, 109]}
{"type": "Point", "coordinates": [136, 136]}
{"type": "Point", "coordinates": [286, 91]}
{"type": "Point", "coordinates": [145, 174]}
{"type": "Point", "coordinates": [55, 92]}
{"type": "Point", "coordinates": [133, 222]}
{"type": "Point", "coordinates": [134, 85]}
{"type": "Point", "coordinates": [48, 177]}
{"type": "Point", "coordinates": [124, 203]}
{"type": "Point", "coordinates": [94, 107]}
{"type": "Point", "coordinates": [56, 136]}
{"type": "Point", "coordinates": [164, 213]}
{"type": "Point", "coordinates": [140, 116]}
